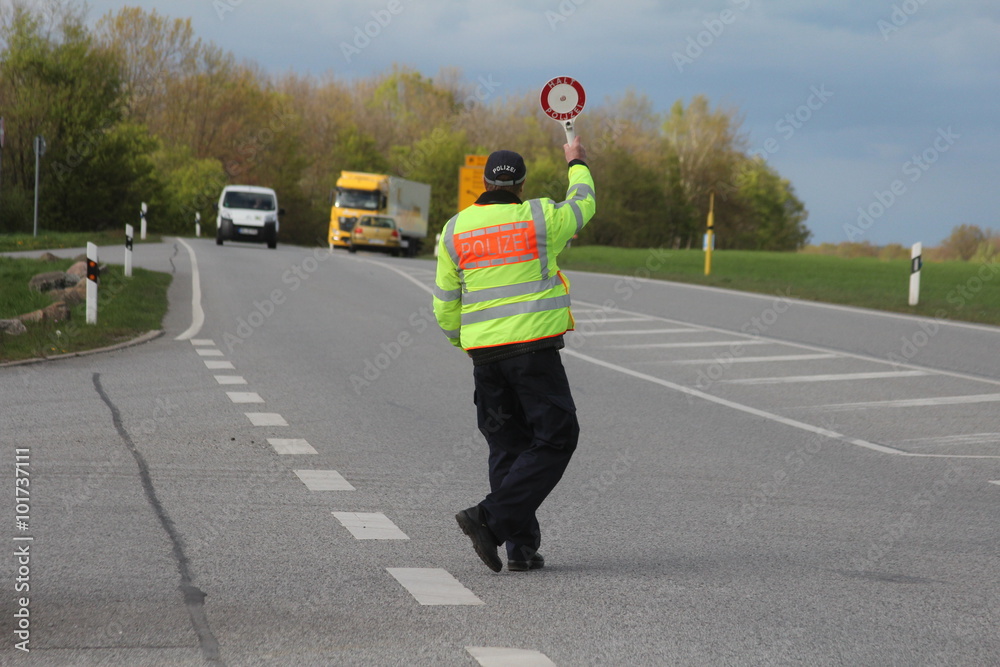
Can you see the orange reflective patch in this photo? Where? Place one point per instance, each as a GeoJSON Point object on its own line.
{"type": "Point", "coordinates": [497, 245]}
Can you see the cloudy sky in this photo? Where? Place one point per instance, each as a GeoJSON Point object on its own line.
{"type": "Point", "coordinates": [884, 114]}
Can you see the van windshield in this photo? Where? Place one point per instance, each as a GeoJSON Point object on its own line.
{"type": "Point", "coordinates": [249, 200]}
{"type": "Point", "coordinates": [363, 199]}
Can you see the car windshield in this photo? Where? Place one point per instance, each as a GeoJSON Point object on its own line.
{"type": "Point", "coordinates": [249, 200]}
{"type": "Point", "coordinates": [363, 199]}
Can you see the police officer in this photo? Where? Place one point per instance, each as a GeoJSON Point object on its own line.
{"type": "Point", "coordinates": [500, 296]}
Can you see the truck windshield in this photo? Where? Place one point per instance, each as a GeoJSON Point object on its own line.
{"type": "Point", "coordinates": [363, 199]}
{"type": "Point", "coordinates": [250, 200]}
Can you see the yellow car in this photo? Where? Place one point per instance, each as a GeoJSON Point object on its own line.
{"type": "Point", "coordinates": [376, 232]}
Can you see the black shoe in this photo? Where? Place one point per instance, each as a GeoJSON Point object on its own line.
{"type": "Point", "coordinates": [537, 562]}
{"type": "Point", "coordinates": [483, 541]}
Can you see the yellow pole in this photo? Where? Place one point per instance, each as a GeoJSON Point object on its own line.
{"type": "Point", "coordinates": [710, 234]}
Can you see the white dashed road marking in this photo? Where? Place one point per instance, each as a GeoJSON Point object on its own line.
{"type": "Point", "coordinates": [832, 377]}
{"type": "Point", "coordinates": [291, 446]}
{"type": "Point", "coordinates": [714, 343]}
{"type": "Point", "coordinates": [209, 353]}
{"type": "Point", "coordinates": [230, 379]}
{"type": "Point", "coordinates": [913, 402]}
{"type": "Point", "coordinates": [244, 397]}
{"type": "Point", "coordinates": [219, 365]}
{"type": "Point", "coordinates": [202, 341]}
{"type": "Point", "coordinates": [324, 480]}
{"type": "Point", "coordinates": [995, 481]}
{"type": "Point", "coordinates": [495, 656]}
{"type": "Point", "coordinates": [635, 332]}
{"type": "Point", "coordinates": [266, 419]}
{"type": "Point", "coordinates": [751, 360]}
{"type": "Point", "coordinates": [370, 526]}
{"type": "Point", "coordinates": [433, 586]}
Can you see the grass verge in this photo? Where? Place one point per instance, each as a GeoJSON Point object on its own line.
{"type": "Point", "coordinates": [968, 291]}
{"type": "Point", "coordinates": [56, 240]}
{"type": "Point", "coordinates": [127, 307]}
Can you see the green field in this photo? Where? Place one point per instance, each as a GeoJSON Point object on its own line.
{"type": "Point", "coordinates": [57, 240]}
{"type": "Point", "coordinates": [953, 290]}
{"type": "Point", "coordinates": [127, 307]}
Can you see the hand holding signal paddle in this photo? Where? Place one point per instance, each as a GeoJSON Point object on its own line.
{"type": "Point", "coordinates": [563, 99]}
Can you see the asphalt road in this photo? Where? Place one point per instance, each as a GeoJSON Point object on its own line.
{"type": "Point", "coordinates": [759, 482]}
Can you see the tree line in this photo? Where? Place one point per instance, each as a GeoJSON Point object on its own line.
{"type": "Point", "coordinates": [139, 109]}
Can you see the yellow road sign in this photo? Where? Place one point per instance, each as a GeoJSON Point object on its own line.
{"type": "Point", "coordinates": [470, 180]}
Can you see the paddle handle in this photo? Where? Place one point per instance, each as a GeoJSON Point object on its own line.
{"type": "Point", "coordinates": [570, 132]}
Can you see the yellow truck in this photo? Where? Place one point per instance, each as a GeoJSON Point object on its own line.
{"type": "Point", "coordinates": [361, 194]}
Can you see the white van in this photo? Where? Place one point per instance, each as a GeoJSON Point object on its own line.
{"type": "Point", "coordinates": [248, 213]}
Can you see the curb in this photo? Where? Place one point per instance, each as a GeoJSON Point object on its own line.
{"type": "Point", "coordinates": [144, 338]}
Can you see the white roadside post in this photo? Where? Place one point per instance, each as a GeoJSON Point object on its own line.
{"type": "Point", "coordinates": [142, 223]}
{"type": "Point", "coordinates": [197, 224]}
{"type": "Point", "coordinates": [916, 262]}
{"type": "Point", "coordinates": [129, 231]}
{"type": "Point", "coordinates": [92, 275]}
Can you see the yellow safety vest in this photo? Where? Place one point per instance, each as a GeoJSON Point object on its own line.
{"type": "Point", "coordinates": [497, 278]}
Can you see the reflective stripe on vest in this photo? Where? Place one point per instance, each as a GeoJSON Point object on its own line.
{"type": "Point", "coordinates": [541, 236]}
{"type": "Point", "coordinates": [507, 291]}
{"type": "Point", "coordinates": [520, 308]}
{"type": "Point", "coordinates": [447, 295]}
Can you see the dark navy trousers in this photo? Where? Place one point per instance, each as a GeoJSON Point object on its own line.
{"type": "Point", "coordinates": [526, 412]}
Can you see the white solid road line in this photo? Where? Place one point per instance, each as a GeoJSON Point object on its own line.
{"type": "Point", "coordinates": [266, 419]}
{"type": "Point", "coordinates": [495, 656]}
{"type": "Point", "coordinates": [831, 377]}
{"type": "Point", "coordinates": [433, 586]}
{"type": "Point", "coordinates": [803, 302]}
{"type": "Point", "coordinates": [324, 480]}
{"type": "Point", "coordinates": [816, 348]}
{"type": "Point", "coordinates": [746, 408]}
{"type": "Point", "coordinates": [219, 365]}
{"type": "Point", "coordinates": [882, 449]}
{"type": "Point", "coordinates": [291, 446]}
{"type": "Point", "coordinates": [197, 313]}
{"type": "Point", "coordinates": [370, 526]}
{"type": "Point", "coordinates": [908, 403]}
{"type": "Point", "coordinates": [752, 360]}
